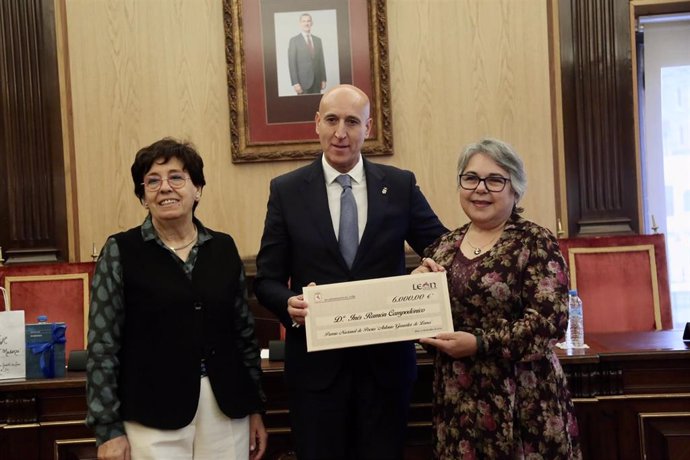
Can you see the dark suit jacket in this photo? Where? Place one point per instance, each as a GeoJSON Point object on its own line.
{"type": "Point", "coordinates": [303, 69]}
{"type": "Point", "coordinates": [299, 246]}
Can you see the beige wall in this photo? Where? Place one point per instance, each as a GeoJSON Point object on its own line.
{"type": "Point", "coordinates": [138, 70]}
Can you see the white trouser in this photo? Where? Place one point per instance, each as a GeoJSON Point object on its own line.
{"type": "Point", "coordinates": [210, 436]}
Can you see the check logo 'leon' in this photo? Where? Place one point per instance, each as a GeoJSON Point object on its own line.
{"type": "Point", "coordinates": [424, 286]}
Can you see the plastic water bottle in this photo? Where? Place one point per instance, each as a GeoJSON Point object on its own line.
{"type": "Point", "coordinates": [575, 335]}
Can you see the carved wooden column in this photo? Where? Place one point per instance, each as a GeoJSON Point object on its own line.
{"type": "Point", "coordinates": [598, 117]}
{"type": "Point", "coordinates": [32, 192]}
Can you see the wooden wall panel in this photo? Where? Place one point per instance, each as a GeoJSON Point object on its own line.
{"type": "Point", "coordinates": [32, 200]}
{"type": "Point", "coordinates": [598, 113]}
{"type": "Point", "coordinates": [460, 70]}
{"type": "Point", "coordinates": [466, 69]}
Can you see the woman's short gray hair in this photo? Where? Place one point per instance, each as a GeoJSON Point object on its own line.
{"type": "Point", "coordinates": [504, 155]}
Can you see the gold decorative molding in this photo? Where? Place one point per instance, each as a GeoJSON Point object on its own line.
{"type": "Point", "coordinates": [644, 418]}
{"type": "Point", "coordinates": [68, 442]}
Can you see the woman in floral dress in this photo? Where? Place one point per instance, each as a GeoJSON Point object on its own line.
{"type": "Point", "coordinates": [499, 389]}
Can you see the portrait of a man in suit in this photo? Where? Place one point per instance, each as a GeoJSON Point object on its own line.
{"type": "Point", "coordinates": [305, 59]}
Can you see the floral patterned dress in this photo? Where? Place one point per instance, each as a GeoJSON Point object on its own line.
{"type": "Point", "coordinates": [510, 401]}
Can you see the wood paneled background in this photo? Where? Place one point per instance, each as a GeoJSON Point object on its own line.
{"type": "Point", "coordinates": [135, 71]}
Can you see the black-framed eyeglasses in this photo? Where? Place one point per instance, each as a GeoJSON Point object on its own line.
{"type": "Point", "coordinates": [175, 180]}
{"type": "Point", "coordinates": [492, 183]}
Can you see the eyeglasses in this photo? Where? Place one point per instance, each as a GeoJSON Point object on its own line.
{"type": "Point", "coordinates": [154, 183]}
{"type": "Point", "coordinates": [492, 183]}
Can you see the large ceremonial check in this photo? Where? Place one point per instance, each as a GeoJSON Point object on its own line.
{"type": "Point", "coordinates": [377, 311]}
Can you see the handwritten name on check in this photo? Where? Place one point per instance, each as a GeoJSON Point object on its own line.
{"type": "Point", "coordinates": [379, 310]}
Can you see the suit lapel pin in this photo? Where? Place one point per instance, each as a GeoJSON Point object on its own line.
{"type": "Point", "coordinates": [384, 190]}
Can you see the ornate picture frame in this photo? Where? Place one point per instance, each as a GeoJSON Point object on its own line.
{"type": "Point", "coordinates": [269, 121]}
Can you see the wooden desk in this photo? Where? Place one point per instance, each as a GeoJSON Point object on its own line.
{"type": "Point", "coordinates": [43, 419]}
{"type": "Point", "coordinates": [632, 394]}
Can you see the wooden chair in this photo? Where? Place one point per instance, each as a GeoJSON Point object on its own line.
{"type": "Point", "coordinates": [60, 291]}
{"type": "Point", "coordinates": [622, 281]}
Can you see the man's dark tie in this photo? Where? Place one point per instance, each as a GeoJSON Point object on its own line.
{"type": "Point", "coordinates": [310, 44]}
{"type": "Point", "coordinates": [348, 233]}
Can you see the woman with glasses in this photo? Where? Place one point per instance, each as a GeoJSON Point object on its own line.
{"type": "Point", "coordinates": [173, 367]}
{"type": "Point", "coordinates": [499, 390]}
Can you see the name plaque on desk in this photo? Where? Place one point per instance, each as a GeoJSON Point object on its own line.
{"type": "Point", "coordinates": [375, 311]}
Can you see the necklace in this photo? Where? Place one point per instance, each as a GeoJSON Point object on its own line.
{"type": "Point", "coordinates": [476, 250]}
{"type": "Point", "coordinates": [186, 245]}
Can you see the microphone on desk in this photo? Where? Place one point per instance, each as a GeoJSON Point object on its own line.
{"type": "Point", "coordinates": [276, 350]}
{"type": "Point", "coordinates": [77, 360]}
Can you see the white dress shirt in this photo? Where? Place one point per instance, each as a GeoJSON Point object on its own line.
{"type": "Point", "coordinates": [359, 190]}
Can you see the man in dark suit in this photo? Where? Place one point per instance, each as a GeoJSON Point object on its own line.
{"type": "Point", "coordinates": [305, 59]}
{"type": "Point", "coordinates": [349, 403]}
